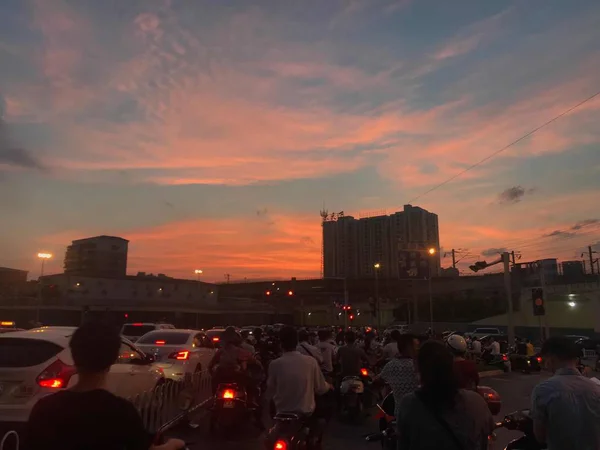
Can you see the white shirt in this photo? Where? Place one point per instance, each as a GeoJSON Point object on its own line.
{"type": "Point", "coordinates": [294, 379]}
{"type": "Point", "coordinates": [476, 346]}
{"type": "Point", "coordinates": [310, 350]}
{"type": "Point", "coordinates": [495, 348]}
{"type": "Point", "coordinates": [327, 349]}
{"type": "Point", "coordinates": [391, 350]}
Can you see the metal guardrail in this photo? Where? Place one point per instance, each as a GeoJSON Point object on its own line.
{"type": "Point", "coordinates": [171, 402]}
{"type": "Point", "coordinates": [160, 408]}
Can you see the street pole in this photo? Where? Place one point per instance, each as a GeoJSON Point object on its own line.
{"type": "Point", "coordinates": [377, 303]}
{"type": "Point", "coordinates": [453, 259]}
{"type": "Point", "coordinates": [430, 301]}
{"type": "Point", "coordinates": [39, 300]}
{"type": "Point", "coordinates": [508, 290]}
{"type": "Point", "coordinates": [345, 303]}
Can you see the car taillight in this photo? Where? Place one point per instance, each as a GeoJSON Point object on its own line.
{"type": "Point", "coordinates": [160, 342]}
{"type": "Point", "coordinates": [56, 375]}
{"type": "Point", "coordinates": [364, 372]}
{"type": "Point", "coordinates": [181, 356]}
{"type": "Point", "coordinates": [280, 445]}
{"type": "Point", "coordinates": [228, 393]}
{"type": "Point", "coordinates": [539, 359]}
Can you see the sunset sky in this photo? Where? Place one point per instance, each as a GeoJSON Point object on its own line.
{"type": "Point", "coordinates": [211, 132]}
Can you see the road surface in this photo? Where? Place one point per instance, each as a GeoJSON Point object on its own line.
{"type": "Point", "coordinates": [515, 390]}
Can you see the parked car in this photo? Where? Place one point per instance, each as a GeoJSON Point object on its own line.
{"type": "Point", "coordinates": [179, 353]}
{"type": "Point", "coordinates": [133, 331]}
{"type": "Point", "coordinates": [38, 362]}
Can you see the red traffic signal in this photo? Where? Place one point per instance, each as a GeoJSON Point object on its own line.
{"type": "Point", "coordinates": [290, 293]}
{"type": "Point", "coordinates": [268, 293]}
{"type": "Point", "coordinates": [351, 316]}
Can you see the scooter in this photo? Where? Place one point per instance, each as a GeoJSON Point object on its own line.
{"type": "Point", "coordinates": [352, 391]}
{"type": "Point", "coordinates": [230, 408]}
{"type": "Point", "coordinates": [291, 432]}
{"type": "Point", "coordinates": [521, 421]}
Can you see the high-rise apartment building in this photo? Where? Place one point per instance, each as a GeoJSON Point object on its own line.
{"type": "Point", "coordinates": [351, 247]}
{"type": "Point", "coordinates": [100, 256]}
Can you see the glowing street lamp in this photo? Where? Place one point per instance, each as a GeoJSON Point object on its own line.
{"type": "Point", "coordinates": [431, 251]}
{"type": "Point", "coordinates": [198, 272]}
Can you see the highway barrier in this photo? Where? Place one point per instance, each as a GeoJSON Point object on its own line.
{"type": "Point", "coordinates": [173, 401]}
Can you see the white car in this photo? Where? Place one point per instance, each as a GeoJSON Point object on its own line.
{"type": "Point", "coordinates": [38, 362]}
{"type": "Point", "coordinates": [133, 331]}
{"type": "Point", "coordinates": [178, 353]}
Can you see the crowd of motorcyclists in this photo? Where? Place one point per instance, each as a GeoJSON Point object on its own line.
{"type": "Point", "coordinates": [433, 384]}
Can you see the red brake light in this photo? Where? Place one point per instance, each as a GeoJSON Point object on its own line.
{"type": "Point", "coordinates": [280, 445]}
{"type": "Point", "coordinates": [364, 372]}
{"type": "Point", "coordinates": [181, 356]}
{"type": "Point", "coordinates": [216, 339]}
{"type": "Point", "coordinates": [504, 358]}
{"type": "Point", "coordinates": [56, 375]}
{"type": "Point", "coordinates": [160, 342]}
{"type": "Point", "coordinates": [137, 324]}
{"type": "Point", "coordinates": [228, 393]}
{"type": "Point", "coordinates": [539, 359]}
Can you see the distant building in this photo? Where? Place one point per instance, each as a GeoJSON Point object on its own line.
{"type": "Point", "coordinates": [10, 276]}
{"type": "Point", "coordinates": [573, 269]}
{"type": "Point", "coordinates": [141, 289]}
{"type": "Point", "coordinates": [100, 256]}
{"type": "Point", "coordinates": [398, 242]}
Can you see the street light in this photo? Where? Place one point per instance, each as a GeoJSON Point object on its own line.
{"type": "Point", "coordinates": [377, 266]}
{"type": "Point", "coordinates": [198, 272]}
{"type": "Point", "coordinates": [43, 256]}
{"type": "Point", "coordinates": [431, 252]}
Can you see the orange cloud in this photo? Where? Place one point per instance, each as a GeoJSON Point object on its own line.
{"type": "Point", "coordinates": [266, 245]}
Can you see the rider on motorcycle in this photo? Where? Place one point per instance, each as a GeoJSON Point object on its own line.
{"type": "Point", "coordinates": [351, 357]}
{"type": "Point", "coordinates": [230, 362]}
{"type": "Point", "coordinates": [295, 379]}
{"type": "Point", "coordinates": [466, 370]}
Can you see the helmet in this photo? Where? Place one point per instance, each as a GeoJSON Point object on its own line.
{"type": "Point", "coordinates": [457, 343]}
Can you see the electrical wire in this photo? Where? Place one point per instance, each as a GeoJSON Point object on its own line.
{"type": "Point", "coordinates": [506, 147]}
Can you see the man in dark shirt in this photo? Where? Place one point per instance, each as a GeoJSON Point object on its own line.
{"type": "Point", "coordinates": [351, 356]}
{"type": "Point", "coordinates": [87, 416]}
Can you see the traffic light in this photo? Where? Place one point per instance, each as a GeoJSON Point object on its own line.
{"type": "Point", "coordinates": [268, 293]}
{"type": "Point", "coordinates": [351, 316]}
{"type": "Point", "coordinates": [479, 265]}
{"type": "Point", "coordinates": [537, 297]}
{"type": "Point", "coordinates": [290, 293]}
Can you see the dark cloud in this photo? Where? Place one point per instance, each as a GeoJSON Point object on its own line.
{"type": "Point", "coordinates": [572, 231]}
{"type": "Point", "coordinates": [514, 194]}
{"type": "Point", "coordinates": [584, 223]}
{"type": "Point", "coordinates": [560, 234]}
{"type": "Point", "coordinates": [13, 155]}
{"type": "Point", "coordinates": [19, 157]}
{"type": "Point", "coordinates": [493, 251]}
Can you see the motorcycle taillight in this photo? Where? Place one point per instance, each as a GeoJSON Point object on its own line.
{"type": "Point", "coordinates": [280, 445]}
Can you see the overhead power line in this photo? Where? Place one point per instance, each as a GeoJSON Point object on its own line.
{"type": "Point", "coordinates": [497, 152]}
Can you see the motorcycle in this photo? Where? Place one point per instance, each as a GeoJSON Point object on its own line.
{"type": "Point", "coordinates": [501, 361]}
{"type": "Point", "coordinates": [355, 394]}
{"type": "Point", "coordinates": [291, 432]}
{"type": "Point", "coordinates": [230, 407]}
{"type": "Point", "coordinates": [520, 421]}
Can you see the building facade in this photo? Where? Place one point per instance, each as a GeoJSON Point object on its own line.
{"type": "Point", "coordinates": [100, 256]}
{"type": "Point", "coordinates": [398, 243]}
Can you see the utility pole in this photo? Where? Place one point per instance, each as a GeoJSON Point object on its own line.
{"type": "Point", "coordinates": [453, 259]}
{"type": "Point", "coordinates": [508, 289]}
{"type": "Point", "coordinates": [591, 253]}
{"type": "Point", "coordinates": [227, 277]}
